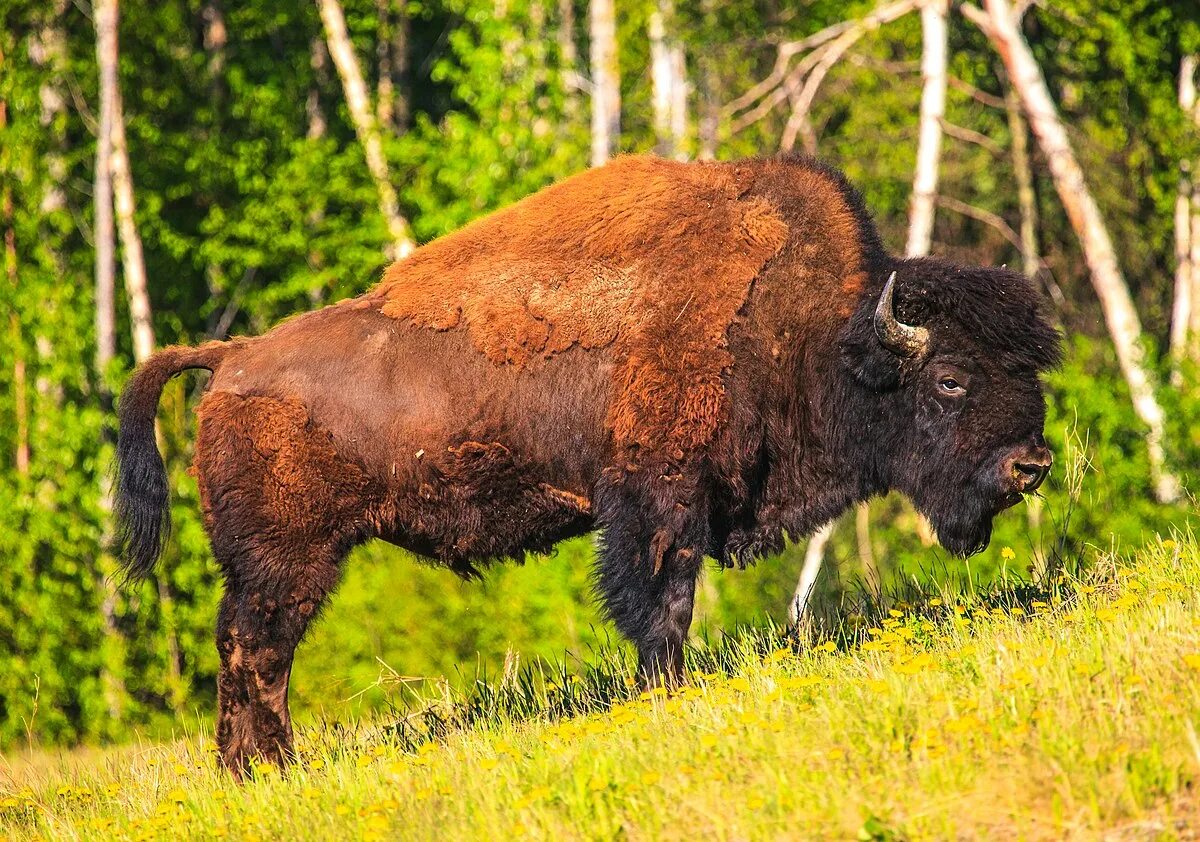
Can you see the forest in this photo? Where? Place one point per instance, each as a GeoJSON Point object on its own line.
{"type": "Point", "coordinates": [185, 170]}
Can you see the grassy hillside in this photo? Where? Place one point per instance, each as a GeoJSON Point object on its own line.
{"type": "Point", "coordinates": [1038, 711]}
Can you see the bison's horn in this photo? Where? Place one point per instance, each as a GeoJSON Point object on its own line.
{"type": "Point", "coordinates": [896, 336]}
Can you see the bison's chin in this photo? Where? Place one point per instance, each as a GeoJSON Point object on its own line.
{"type": "Point", "coordinates": [965, 542]}
{"type": "Point", "coordinates": [963, 532]}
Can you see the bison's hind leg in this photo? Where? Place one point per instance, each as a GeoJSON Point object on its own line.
{"type": "Point", "coordinates": [282, 509]}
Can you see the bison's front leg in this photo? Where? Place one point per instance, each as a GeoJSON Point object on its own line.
{"type": "Point", "coordinates": [647, 580]}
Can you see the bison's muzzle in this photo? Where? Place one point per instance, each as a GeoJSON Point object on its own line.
{"type": "Point", "coordinates": [1025, 469]}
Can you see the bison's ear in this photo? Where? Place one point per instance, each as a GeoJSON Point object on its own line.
{"type": "Point", "coordinates": [867, 358]}
{"type": "Point", "coordinates": [872, 365]}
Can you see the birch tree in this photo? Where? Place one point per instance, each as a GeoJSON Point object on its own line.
{"type": "Point", "coordinates": [929, 143]}
{"type": "Point", "coordinates": [923, 203]}
{"type": "Point", "coordinates": [1031, 261]}
{"type": "Point", "coordinates": [133, 262]}
{"type": "Point", "coordinates": [814, 558]}
{"type": "Point", "coordinates": [391, 52]}
{"type": "Point", "coordinates": [568, 57]}
{"type": "Point", "coordinates": [710, 108]}
{"type": "Point", "coordinates": [668, 74]}
{"type": "Point", "coordinates": [799, 81]}
{"type": "Point", "coordinates": [141, 324]}
{"type": "Point", "coordinates": [105, 20]}
{"type": "Point", "coordinates": [1124, 326]}
{"type": "Point", "coordinates": [606, 81]}
{"type": "Point", "coordinates": [365, 127]}
{"type": "Point", "coordinates": [1186, 270]}
{"type": "Point", "coordinates": [105, 14]}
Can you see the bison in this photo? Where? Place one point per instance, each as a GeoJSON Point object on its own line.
{"type": "Point", "coordinates": [697, 359]}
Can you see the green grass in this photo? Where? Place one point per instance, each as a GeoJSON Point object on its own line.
{"type": "Point", "coordinates": [1051, 710]}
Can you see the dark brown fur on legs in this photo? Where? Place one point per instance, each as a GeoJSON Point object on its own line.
{"type": "Point", "coordinates": [655, 537]}
{"type": "Point", "coordinates": [280, 559]}
{"type": "Point", "coordinates": [257, 638]}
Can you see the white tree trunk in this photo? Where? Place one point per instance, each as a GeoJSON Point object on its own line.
{"type": "Point", "coordinates": [1185, 312]}
{"type": "Point", "coordinates": [1031, 262]}
{"type": "Point", "coordinates": [318, 60]}
{"type": "Point", "coordinates": [929, 143]}
{"type": "Point", "coordinates": [215, 37]}
{"type": "Point", "coordinates": [133, 261]}
{"type": "Point", "coordinates": [568, 57]}
{"type": "Point", "coordinates": [1181, 311]}
{"type": "Point", "coordinates": [668, 74]}
{"type": "Point", "coordinates": [606, 81]}
{"type": "Point", "coordinates": [814, 556]}
{"type": "Point", "coordinates": [342, 51]}
{"type": "Point", "coordinates": [929, 153]}
{"type": "Point", "coordinates": [104, 13]}
{"type": "Point", "coordinates": [710, 106]}
{"type": "Point", "coordinates": [1119, 311]}
{"type": "Point", "coordinates": [1194, 333]}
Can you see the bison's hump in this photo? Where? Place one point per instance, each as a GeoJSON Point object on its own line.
{"type": "Point", "coordinates": [652, 258]}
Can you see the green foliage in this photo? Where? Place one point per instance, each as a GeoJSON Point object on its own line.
{"type": "Point", "coordinates": [254, 202]}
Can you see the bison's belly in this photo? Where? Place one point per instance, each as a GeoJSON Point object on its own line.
{"type": "Point", "coordinates": [470, 459]}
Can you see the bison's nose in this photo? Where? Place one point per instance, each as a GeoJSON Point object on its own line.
{"type": "Point", "coordinates": [1029, 469]}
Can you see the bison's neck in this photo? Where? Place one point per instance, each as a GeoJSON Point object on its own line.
{"type": "Point", "coordinates": [798, 450]}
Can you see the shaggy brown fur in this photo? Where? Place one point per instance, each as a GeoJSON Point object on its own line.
{"type": "Point", "coordinates": [649, 256]}
{"type": "Point", "coordinates": [679, 354]}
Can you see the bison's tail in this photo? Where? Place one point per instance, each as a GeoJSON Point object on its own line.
{"type": "Point", "coordinates": [143, 517]}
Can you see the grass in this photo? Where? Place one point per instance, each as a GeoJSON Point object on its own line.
{"type": "Point", "coordinates": [1062, 709]}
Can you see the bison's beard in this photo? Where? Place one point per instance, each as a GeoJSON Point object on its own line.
{"type": "Point", "coordinates": [962, 516]}
{"type": "Point", "coordinates": [962, 537]}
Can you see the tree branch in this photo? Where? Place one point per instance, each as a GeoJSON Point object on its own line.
{"type": "Point", "coordinates": [971, 136]}
{"type": "Point", "coordinates": [993, 220]}
{"type": "Point", "coordinates": [982, 97]}
{"type": "Point", "coordinates": [828, 45]}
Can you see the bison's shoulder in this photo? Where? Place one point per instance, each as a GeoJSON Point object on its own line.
{"type": "Point", "coordinates": [649, 257]}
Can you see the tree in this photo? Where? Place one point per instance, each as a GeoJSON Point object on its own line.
{"type": "Point", "coordinates": [133, 261]}
{"type": "Point", "coordinates": [929, 143]}
{"type": "Point", "coordinates": [606, 82]}
{"type": "Point", "coordinates": [799, 84]}
{"type": "Point", "coordinates": [105, 14]}
{"type": "Point", "coordinates": [1124, 326]}
{"type": "Point", "coordinates": [106, 59]}
{"type": "Point", "coordinates": [1187, 281]}
{"type": "Point", "coordinates": [342, 51]}
{"type": "Point", "coordinates": [814, 558]}
{"type": "Point", "coordinates": [668, 72]}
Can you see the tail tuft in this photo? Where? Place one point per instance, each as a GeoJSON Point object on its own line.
{"type": "Point", "coordinates": [142, 513]}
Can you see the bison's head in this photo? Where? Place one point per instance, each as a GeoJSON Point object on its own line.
{"type": "Point", "coordinates": [950, 358]}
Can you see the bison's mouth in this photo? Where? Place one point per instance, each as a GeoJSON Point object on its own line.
{"type": "Point", "coordinates": [1007, 501]}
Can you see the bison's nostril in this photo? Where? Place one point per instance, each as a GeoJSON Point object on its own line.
{"type": "Point", "coordinates": [1030, 475]}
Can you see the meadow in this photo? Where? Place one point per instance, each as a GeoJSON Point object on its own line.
{"type": "Point", "coordinates": [1052, 709]}
{"type": "Point", "coordinates": [268, 157]}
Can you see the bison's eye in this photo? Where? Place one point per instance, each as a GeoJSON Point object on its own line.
{"type": "Point", "coordinates": [950, 386]}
